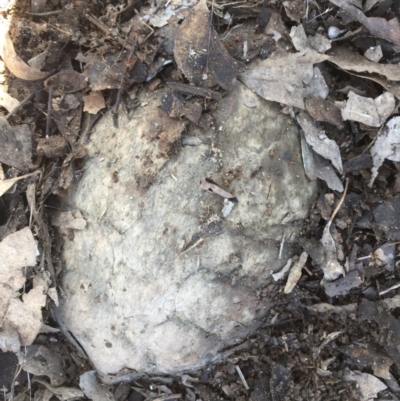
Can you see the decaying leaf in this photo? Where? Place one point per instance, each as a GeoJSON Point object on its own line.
{"type": "Point", "coordinates": [199, 53]}
{"type": "Point", "coordinates": [386, 146]}
{"type": "Point", "coordinates": [295, 273]}
{"type": "Point", "coordinates": [323, 110]}
{"type": "Point", "coordinates": [343, 285]}
{"type": "Point", "coordinates": [372, 112]}
{"type": "Point", "coordinates": [62, 393]}
{"type": "Point", "coordinates": [42, 361]}
{"type": "Point", "coordinates": [66, 81]}
{"type": "Point", "coordinates": [379, 27]}
{"type": "Point", "coordinates": [287, 79]}
{"type": "Point", "coordinates": [15, 145]}
{"type": "Point", "coordinates": [320, 143]}
{"type": "Point", "coordinates": [18, 67]}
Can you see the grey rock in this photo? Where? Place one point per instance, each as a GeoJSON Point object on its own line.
{"type": "Point", "coordinates": [159, 281]}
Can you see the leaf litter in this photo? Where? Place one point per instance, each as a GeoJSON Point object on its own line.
{"type": "Point", "coordinates": [335, 72]}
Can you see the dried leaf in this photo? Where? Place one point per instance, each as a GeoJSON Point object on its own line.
{"type": "Point", "coordinates": [372, 112]}
{"type": "Point", "coordinates": [295, 273]}
{"type": "Point", "coordinates": [331, 267]}
{"type": "Point", "coordinates": [287, 79]}
{"type": "Point", "coordinates": [316, 166]}
{"type": "Point", "coordinates": [374, 54]}
{"type": "Point", "coordinates": [320, 43]}
{"type": "Point", "coordinates": [299, 38]}
{"type": "Point", "coordinates": [199, 53]}
{"type": "Point", "coordinates": [18, 67]}
{"type": "Point", "coordinates": [17, 250]}
{"type": "Point", "coordinates": [5, 185]}
{"type": "Point", "coordinates": [348, 60]}
{"type": "Point", "coordinates": [66, 221]}
{"type": "Point", "coordinates": [320, 143]}
{"type": "Point", "coordinates": [368, 385]}
{"type": "Point", "coordinates": [93, 389]}
{"type": "Point", "coordinates": [93, 102]}
{"type": "Point", "coordinates": [386, 146]}
{"type": "Point", "coordinates": [7, 101]}
{"type": "Point", "coordinates": [379, 27]}
{"type": "Point", "coordinates": [15, 145]}
{"type": "Point", "coordinates": [26, 317]}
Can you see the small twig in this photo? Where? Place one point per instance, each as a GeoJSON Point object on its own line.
{"type": "Point", "coordinates": [197, 243]}
{"type": "Point", "coordinates": [340, 202]}
{"type": "Point", "coordinates": [194, 90]}
{"type": "Point", "coordinates": [46, 13]}
{"type": "Point", "coordinates": [23, 102]}
{"type": "Point", "coordinates": [246, 386]}
{"type": "Point", "coordinates": [389, 289]}
{"type": "Point", "coordinates": [281, 247]}
{"type": "Point", "coordinates": [49, 107]}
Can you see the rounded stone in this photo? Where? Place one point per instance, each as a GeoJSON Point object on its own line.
{"type": "Point", "coordinates": [160, 281]}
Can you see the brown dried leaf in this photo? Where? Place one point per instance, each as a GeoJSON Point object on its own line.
{"type": "Point", "coordinates": [379, 27]}
{"type": "Point", "coordinates": [199, 53]}
{"type": "Point", "coordinates": [322, 110]}
{"type": "Point", "coordinates": [17, 66]}
{"type": "Point", "coordinates": [15, 145]}
{"type": "Point", "coordinates": [93, 102]}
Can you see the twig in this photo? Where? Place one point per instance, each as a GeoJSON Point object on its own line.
{"type": "Point", "coordinates": [246, 386]}
{"type": "Point", "coordinates": [281, 247]}
{"type": "Point", "coordinates": [194, 90]}
{"type": "Point", "coordinates": [197, 243]}
{"type": "Point", "coordinates": [46, 13]}
{"type": "Point", "coordinates": [340, 202]}
{"type": "Point", "coordinates": [389, 289]}
{"type": "Point", "coordinates": [49, 106]}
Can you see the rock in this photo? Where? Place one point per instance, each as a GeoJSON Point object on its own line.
{"type": "Point", "coordinates": [159, 281]}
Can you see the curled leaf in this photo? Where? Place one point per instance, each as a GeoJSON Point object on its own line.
{"type": "Point", "coordinates": [17, 66]}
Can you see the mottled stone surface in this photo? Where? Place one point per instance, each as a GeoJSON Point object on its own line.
{"type": "Point", "coordinates": [138, 293]}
